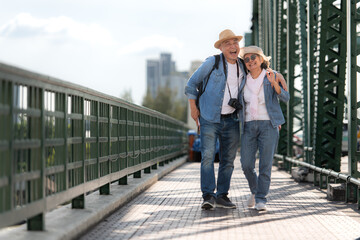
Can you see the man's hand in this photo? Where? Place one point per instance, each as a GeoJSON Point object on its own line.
{"type": "Point", "coordinates": [194, 111]}
{"type": "Point", "coordinates": [280, 78]}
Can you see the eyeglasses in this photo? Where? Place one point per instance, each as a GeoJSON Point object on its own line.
{"type": "Point", "coordinates": [252, 58]}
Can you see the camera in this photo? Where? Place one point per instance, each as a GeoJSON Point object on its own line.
{"type": "Point", "coordinates": [233, 102]}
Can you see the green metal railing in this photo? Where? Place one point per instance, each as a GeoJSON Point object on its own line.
{"type": "Point", "coordinates": [59, 141]}
{"type": "Point", "coordinates": [324, 176]}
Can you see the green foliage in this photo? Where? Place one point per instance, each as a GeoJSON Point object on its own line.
{"type": "Point", "coordinates": [148, 100]}
{"type": "Point", "coordinates": [165, 103]}
{"type": "Point", "coordinates": [127, 95]}
{"type": "Point", "coordinates": [50, 160]}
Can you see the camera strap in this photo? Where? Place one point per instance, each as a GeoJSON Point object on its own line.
{"type": "Point", "coordinates": [238, 75]}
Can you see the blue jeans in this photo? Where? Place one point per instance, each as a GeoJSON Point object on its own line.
{"type": "Point", "coordinates": [263, 136]}
{"type": "Point", "coordinates": [228, 133]}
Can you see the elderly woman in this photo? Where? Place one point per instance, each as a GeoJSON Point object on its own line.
{"type": "Point", "coordinates": [261, 119]}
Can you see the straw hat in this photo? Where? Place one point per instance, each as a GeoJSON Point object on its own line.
{"type": "Point", "coordinates": [254, 49]}
{"type": "Point", "coordinates": [226, 35]}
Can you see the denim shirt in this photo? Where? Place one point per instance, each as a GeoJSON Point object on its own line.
{"type": "Point", "coordinates": [271, 102]}
{"type": "Point", "coordinates": [211, 100]}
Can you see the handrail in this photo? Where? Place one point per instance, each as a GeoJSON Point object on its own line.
{"type": "Point", "coordinates": [59, 140]}
{"type": "Point", "coordinates": [324, 171]}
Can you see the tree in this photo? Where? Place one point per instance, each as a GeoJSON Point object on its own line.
{"type": "Point", "coordinates": [165, 103]}
{"type": "Point", "coordinates": [179, 111]}
{"type": "Point", "coordinates": [148, 100]}
{"type": "Point", "coordinates": [126, 95]}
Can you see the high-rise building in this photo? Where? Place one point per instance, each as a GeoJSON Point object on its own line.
{"type": "Point", "coordinates": [152, 76]}
{"type": "Point", "coordinates": [162, 73]}
{"type": "Point", "coordinates": [165, 64]}
{"type": "Point", "coordinates": [177, 84]}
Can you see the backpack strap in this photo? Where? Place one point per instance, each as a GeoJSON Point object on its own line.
{"type": "Point", "coordinates": [203, 84]}
{"type": "Point", "coordinates": [216, 65]}
{"type": "Point", "coordinates": [217, 60]}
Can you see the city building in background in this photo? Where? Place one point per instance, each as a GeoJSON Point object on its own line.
{"type": "Point", "coordinates": [162, 73]}
{"type": "Point", "coordinates": [152, 76]}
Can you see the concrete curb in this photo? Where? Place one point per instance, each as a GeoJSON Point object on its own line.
{"type": "Point", "coordinates": [67, 223]}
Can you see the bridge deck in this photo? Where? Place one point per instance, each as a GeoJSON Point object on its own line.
{"type": "Point", "coordinates": [170, 209]}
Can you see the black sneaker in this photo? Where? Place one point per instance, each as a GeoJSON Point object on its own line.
{"type": "Point", "coordinates": [224, 202]}
{"type": "Point", "coordinates": [209, 202]}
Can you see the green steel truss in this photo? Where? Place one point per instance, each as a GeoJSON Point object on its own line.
{"type": "Point", "coordinates": [331, 62]}
{"type": "Point", "coordinates": [281, 66]}
{"type": "Point", "coordinates": [295, 34]}
{"type": "Point", "coordinates": [309, 86]}
{"type": "Point", "coordinates": [255, 23]}
{"type": "Point", "coordinates": [353, 38]}
{"type": "Point", "coordinates": [273, 17]}
{"type": "Point", "coordinates": [303, 69]}
{"type": "Point", "coordinates": [280, 61]}
{"type": "Point", "coordinates": [270, 17]}
{"type": "Point", "coordinates": [59, 141]}
{"type": "Point", "coordinates": [307, 40]}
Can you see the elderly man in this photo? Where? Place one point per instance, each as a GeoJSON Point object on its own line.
{"type": "Point", "coordinates": [217, 117]}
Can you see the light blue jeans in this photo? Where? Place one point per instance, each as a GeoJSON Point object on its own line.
{"type": "Point", "coordinates": [228, 132]}
{"type": "Point", "coordinates": [258, 135]}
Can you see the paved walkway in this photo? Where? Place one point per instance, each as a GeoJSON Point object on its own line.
{"type": "Point", "coordinates": [170, 209]}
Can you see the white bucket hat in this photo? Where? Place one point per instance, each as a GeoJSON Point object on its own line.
{"type": "Point", "coordinates": [253, 49]}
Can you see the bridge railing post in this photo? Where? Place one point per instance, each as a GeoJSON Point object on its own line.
{"type": "Point", "coordinates": [36, 223]}
{"type": "Point", "coordinates": [78, 202]}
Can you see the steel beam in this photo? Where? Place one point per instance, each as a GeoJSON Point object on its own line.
{"type": "Point", "coordinates": [353, 52]}
{"type": "Point", "coordinates": [331, 64]}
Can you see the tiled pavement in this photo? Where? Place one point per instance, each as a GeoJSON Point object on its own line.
{"type": "Point", "coordinates": [170, 209]}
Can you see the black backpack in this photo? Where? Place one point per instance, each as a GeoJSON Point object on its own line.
{"type": "Point", "coordinates": [202, 86]}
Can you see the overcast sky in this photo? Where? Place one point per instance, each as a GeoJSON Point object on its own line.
{"type": "Point", "coordinates": [103, 45]}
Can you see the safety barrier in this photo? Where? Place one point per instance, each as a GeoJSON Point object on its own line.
{"type": "Point", "coordinates": [352, 184]}
{"type": "Point", "coordinates": [59, 141]}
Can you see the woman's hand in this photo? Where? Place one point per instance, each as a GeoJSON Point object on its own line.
{"type": "Point", "coordinates": [278, 79]}
{"type": "Point", "coordinates": [270, 76]}
{"type": "Point", "coordinates": [274, 83]}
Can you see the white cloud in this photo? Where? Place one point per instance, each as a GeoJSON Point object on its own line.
{"type": "Point", "coordinates": [150, 42]}
{"type": "Point", "coordinates": [105, 46]}
{"type": "Point", "coordinates": [26, 25]}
